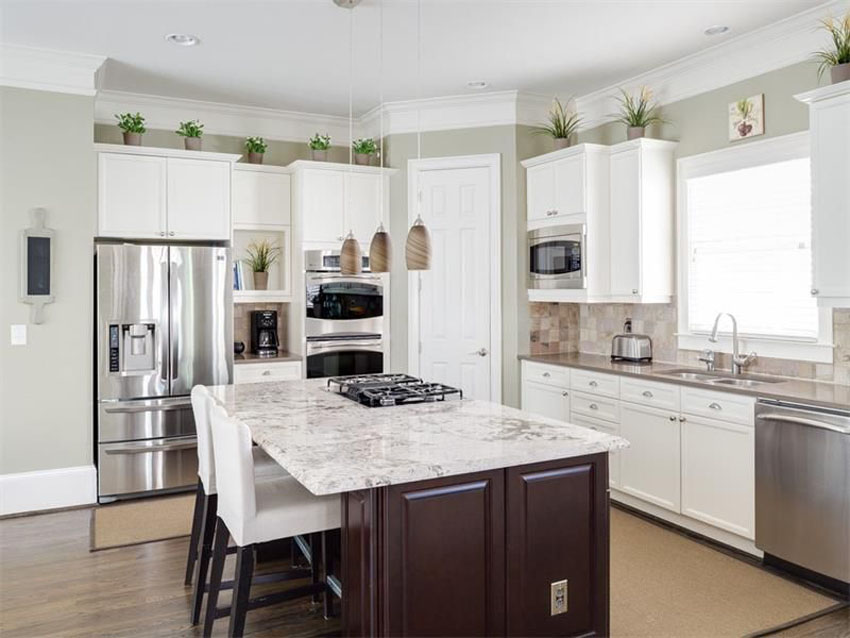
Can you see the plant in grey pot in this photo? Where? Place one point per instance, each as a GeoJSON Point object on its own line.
{"type": "Point", "coordinates": [132, 126]}
{"type": "Point", "coordinates": [562, 125]}
{"type": "Point", "coordinates": [261, 256]}
{"type": "Point", "coordinates": [638, 112]}
{"type": "Point", "coordinates": [319, 145]}
{"type": "Point", "coordinates": [364, 149]}
{"type": "Point", "coordinates": [256, 147]}
{"type": "Point", "coordinates": [836, 58]}
{"type": "Point", "coordinates": [191, 132]}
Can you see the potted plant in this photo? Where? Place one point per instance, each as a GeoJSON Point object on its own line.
{"type": "Point", "coordinates": [133, 126]}
{"type": "Point", "coordinates": [256, 147]}
{"type": "Point", "coordinates": [319, 145]}
{"type": "Point", "coordinates": [191, 132]}
{"type": "Point", "coordinates": [638, 112]}
{"type": "Point", "coordinates": [364, 149]}
{"type": "Point", "coordinates": [562, 124]}
{"type": "Point", "coordinates": [261, 255]}
{"type": "Point", "coordinates": [837, 57]}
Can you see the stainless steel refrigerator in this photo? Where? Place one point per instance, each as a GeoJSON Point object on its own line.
{"type": "Point", "coordinates": [164, 323]}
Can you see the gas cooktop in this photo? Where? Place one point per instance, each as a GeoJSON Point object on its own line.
{"type": "Point", "coordinates": [379, 390]}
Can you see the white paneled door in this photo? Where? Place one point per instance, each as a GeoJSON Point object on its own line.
{"type": "Point", "coordinates": [455, 303]}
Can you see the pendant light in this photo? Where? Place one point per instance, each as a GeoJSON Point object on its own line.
{"type": "Point", "coordinates": [417, 249]}
{"type": "Point", "coordinates": [350, 257]}
{"type": "Point", "coordinates": [380, 250]}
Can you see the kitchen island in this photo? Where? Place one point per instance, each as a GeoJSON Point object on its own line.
{"type": "Point", "coordinates": [459, 517]}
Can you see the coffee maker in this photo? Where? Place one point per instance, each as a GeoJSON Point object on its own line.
{"type": "Point", "coordinates": [264, 341]}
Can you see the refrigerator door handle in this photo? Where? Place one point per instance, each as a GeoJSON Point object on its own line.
{"type": "Point", "coordinates": [165, 407]}
{"type": "Point", "coordinates": [147, 449]}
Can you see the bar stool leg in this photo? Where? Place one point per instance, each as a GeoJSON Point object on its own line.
{"type": "Point", "coordinates": [197, 518]}
{"type": "Point", "coordinates": [219, 554]}
{"type": "Point", "coordinates": [203, 563]}
{"type": "Point", "coordinates": [241, 590]}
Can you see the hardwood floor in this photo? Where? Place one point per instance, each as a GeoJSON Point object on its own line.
{"type": "Point", "coordinates": [50, 584]}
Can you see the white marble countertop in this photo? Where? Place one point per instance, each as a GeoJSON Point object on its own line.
{"type": "Point", "coordinates": [332, 444]}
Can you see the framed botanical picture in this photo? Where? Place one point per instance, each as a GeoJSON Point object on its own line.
{"type": "Point", "coordinates": [746, 118]}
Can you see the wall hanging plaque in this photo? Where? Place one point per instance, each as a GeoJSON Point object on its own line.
{"type": "Point", "coordinates": [746, 118]}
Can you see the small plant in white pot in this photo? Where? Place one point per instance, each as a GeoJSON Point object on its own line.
{"type": "Point", "coordinates": [261, 256]}
{"type": "Point", "coordinates": [562, 125]}
{"type": "Point", "coordinates": [319, 145]}
{"type": "Point", "coordinates": [132, 126]}
{"type": "Point", "coordinates": [638, 112]}
{"type": "Point", "coordinates": [191, 133]}
{"type": "Point", "coordinates": [256, 147]}
{"type": "Point", "coordinates": [364, 149]}
{"type": "Point", "coordinates": [836, 58]}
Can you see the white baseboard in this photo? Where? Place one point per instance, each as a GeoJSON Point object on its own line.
{"type": "Point", "coordinates": [47, 489]}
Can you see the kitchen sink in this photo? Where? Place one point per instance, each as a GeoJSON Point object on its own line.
{"type": "Point", "coordinates": [741, 383]}
{"type": "Point", "coordinates": [721, 378]}
{"type": "Point", "coordinates": [687, 375]}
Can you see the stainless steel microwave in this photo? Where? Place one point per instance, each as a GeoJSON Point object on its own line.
{"type": "Point", "coordinates": [557, 257]}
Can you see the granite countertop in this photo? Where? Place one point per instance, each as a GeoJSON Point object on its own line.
{"type": "Point", "coordinates": [790, 389]}
{"type": "Point", "coordinates": [250, 357]}
{"type": "Point", "coordinates": [331, 444]}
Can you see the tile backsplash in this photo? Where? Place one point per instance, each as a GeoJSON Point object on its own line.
{"type": "Point", "coordinates": [242, 321]}
{"type": "Point", "coordinates": [589, 328]}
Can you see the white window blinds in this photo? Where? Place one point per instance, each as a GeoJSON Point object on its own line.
{"type": "Point", "coordinates": [749, 250]}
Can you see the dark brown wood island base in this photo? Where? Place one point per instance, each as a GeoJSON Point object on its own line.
{"type": "Point", "coordinates": [520, 551]}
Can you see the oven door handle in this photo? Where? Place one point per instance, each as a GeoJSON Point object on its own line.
{"type": "Point", "coordinates": [361, 346]}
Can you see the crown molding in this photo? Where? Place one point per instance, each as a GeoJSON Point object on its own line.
{"type": "Point", "coordinates": [48, 70]}
{"type": "Point", "coordinates": [219, 118]}
{"type": "Point", "coordinates": [769, 48]}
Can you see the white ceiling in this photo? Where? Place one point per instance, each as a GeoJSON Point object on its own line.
{"type": "Point", "coordinates": [293, 54]}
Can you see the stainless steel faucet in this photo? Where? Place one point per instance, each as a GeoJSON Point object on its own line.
{"type": "Point", "coordinates": [707, 357]}
{"type": "Point", "coordinates": [739, 362]}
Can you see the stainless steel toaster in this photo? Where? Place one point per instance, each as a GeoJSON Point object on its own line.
{"type": "Point", "coordinates": [631, 347]}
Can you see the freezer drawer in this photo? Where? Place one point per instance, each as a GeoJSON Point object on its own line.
{"type": "Point", "coordinates": [143, 466]}
{"type": "Point", "coordinates": [145, 419]}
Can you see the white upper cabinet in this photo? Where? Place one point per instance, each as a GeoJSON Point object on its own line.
{"type": "Point", "coordinates": [362, 205]}
{"type": "Point", "coordinates": [570, 188]}
{"type": "Point", "coordinates": [261, 197]}
{"type": "Point", "coordinates": [198, 199]}
{"type": "Point", "coordinates": [829, 124]}
{"type": "Point", "coordinates": [642, 185]}
{"type": "Point", "coordinates": [541, 191]}
{"type": "Point", "coordinates": [131, 196]}
{"type": "Point", "coordinates": [556, 184]}
{"type": "Point", "coordinates": [323, 204]}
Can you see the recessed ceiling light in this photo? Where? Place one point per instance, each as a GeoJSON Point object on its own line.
{"type": "Point", "coordinates": [182, 39]}
{"type": "Point", "coordinates": [477, 84]}
{"type": "Point", "coordinates": [716, 29]}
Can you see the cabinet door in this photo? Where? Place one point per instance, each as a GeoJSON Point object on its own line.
{"type": "Point", "coordinates": [625, 223]}
{"type": "Point", "coordinates": [131, 195]}
{"type": "Point", "coordinates": [608, 428]}
{"type": "Point", "coordinates": [541, 191]}
{"type": "Point", "coordinates": [323, 200]}
{"type": "Point", "coordinates": [570, 186]}
{"type": "Point", "coordinates": [362, 206]}
{"type": "Point", "coordinates": [718, 475]}
{"type": "Point", "coordinates": [198, 199]}
{"type": "Point", "coordinates": [260, 199]}
{"type": "Point", "coordinates": [545, 400]}
{"type": "Point", "coordinates": [649, 467]}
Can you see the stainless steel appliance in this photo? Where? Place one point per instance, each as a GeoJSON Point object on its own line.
{"type": "Point", "coordinates": [802, 468]}
{"type": "Point", "coordinates": [264, 340]}
{"type": "Point", "coordinates": [631, 347]}
{"type": "Point", "coordinates": [557, 257]}
{"type": "Point", "coordinates": [164, 323]}
{"type": "Point", "coordinates": [344, 325]}
{"type": "Point", "coordinates": [381, 390]}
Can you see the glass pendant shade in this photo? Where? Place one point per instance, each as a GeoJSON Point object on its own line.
{"type": "Point", "coordinates": [350, 257]}
{"type": "Point", "coordinates": [380, 251]}
{"type": "Point", "coordinates": [417, 249]}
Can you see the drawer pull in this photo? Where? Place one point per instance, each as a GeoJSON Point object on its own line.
{"type": "Point", "coordinates": [593, 406]}
{"type": "Point", "coordinates": [593, 384]}
{"type": "Point", "coordinates": [267, 373]}
{"type": "Point", "coordinates": [565, 394]}
{"type": "Point", "coordinates": [647, 394]}
{"type": "Point", "coordinates": [547, 375]}
{"type": "Point", "coordinates": [682, 419]}
{"type": "Point", "coordinates": [715, 406]}
{"type": "Point", "coordinates": [672, 418]}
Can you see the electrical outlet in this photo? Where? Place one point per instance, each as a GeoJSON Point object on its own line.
{"type": "Point", "coordinates": [558, 597]}
{"type": "Point", "coordinates": [18, 336]}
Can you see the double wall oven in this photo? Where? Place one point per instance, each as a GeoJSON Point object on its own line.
{"type": "Point", "coordinates": [344, 326]}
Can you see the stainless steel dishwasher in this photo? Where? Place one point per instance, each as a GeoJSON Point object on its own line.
{"type": "Point", "coordinates": [803, 486]}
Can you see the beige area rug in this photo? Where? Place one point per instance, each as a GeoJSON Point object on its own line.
{"type": "Point", "coordinates": [666, 585]}
{"type": "Point", "coordinates": [142, 521]}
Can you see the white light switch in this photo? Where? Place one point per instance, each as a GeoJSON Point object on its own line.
{"type": "Point", "coordinates": [19, 334]}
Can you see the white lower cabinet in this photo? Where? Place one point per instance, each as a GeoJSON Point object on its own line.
{"type": "Point", "coordinates": [546, 400]}
{"type": "Point", "coordinates": [609, 428]}
{"type": "Point", "coordinates": [649, 467]}
{"type": "Point", "coordinates": [718, 475]}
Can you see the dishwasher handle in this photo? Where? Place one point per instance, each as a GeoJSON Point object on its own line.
{"type": "Point", "coordinates": [785, 418]}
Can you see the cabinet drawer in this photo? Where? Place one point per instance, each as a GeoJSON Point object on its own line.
{"type": "Point", "coordinates": [718, 405]}
{"type": "Point", "coordinates": [595, 406]}
{"type": "Point", "coordinates": [272, 371]}
{"type": "Point", "coordinates": [661, 395]}
{"type": "Point", "coordinates": [549, 375]}
{"type": "Point", "coordinates": [595, 382]}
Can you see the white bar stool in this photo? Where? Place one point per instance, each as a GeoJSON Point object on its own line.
{"type": "Point", "coordinates": [257, 511]}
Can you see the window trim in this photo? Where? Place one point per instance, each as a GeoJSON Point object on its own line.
{"type": "Point", "coordinates": [777, 149]}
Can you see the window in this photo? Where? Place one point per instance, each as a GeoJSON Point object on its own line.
{"type": "Point", "coordinates": [745, 248]}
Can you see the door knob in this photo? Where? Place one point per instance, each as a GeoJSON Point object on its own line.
{"type": "Point", "coordinates": [815, 291]}
{"type": "Point", "coordinates": [482, 352]}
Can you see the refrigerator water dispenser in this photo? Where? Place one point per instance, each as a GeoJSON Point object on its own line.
{"type": "Point", "coordinates": [136, 351]}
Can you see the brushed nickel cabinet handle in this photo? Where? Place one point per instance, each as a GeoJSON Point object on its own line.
{"type": "Point", "coordinates": [647, 394]}
{"type": "Point", "coordinates": [592, 384]}
{"type": "Point", "coordinates": [547, 375]}
{"type": "Point", "coordinates": [593, 406]}
{"type": "Point", "coordinates": [267, 373]}
{"type": "Point", "coordinates": [715, 406]}
{"type": "Point", "coordinates": [634, 291]}
{"type": "Point", "coordinates": [815, 291]}
{"type": "Point", "coordinates": [565, 394]}
{"type": "Point", "coordinates": [672, 418]}
{"type": "Point", "coordinates": [682, 419]}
